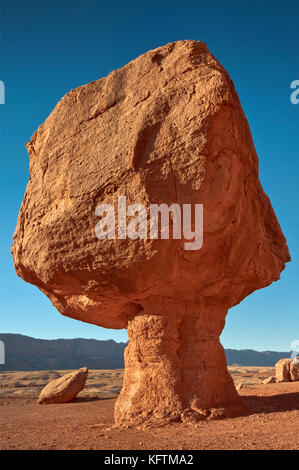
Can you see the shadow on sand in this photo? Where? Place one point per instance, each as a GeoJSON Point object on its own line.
{"type": "Point", "coordinates": [87, 399]}
{"type": "Point", "coordinates": [273, 403]}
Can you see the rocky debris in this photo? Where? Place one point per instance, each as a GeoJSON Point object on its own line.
{"type": "Point", "coordinates": [166, 128]}
{"type": "Point", "coordinates": [282, 370]}
{"type": "Point", "coordinates": [269, 380]}
{"type": "Point", "coordinates": [192, 417]}
{"type": "Point", "coordinates": [239, 386]}
{"type": "Point", "coordinates": [65, 388]}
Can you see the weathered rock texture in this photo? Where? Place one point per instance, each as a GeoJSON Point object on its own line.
{"type": "Point", "coordinates": [65, 388]}
{"type": "Point", "coordinates": [282, 370]}
{"type": "Point", "coordinates": [287, 370]}
{"type": "Point", "coordinates": [294, 370]}
{"type": "Point", "coordinates": [168, 127]}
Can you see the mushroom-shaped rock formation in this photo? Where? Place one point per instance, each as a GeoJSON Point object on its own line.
{"type": "Point", "coordinates": [166, 128]}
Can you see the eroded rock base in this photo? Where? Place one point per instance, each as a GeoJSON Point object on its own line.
{"type": "Point", "coordinates": [175, 370]}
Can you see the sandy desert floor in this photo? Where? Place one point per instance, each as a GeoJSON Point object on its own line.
{"type": "Point", "coordinates": [87, 422]}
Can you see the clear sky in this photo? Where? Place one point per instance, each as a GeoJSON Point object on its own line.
{"type": "Point", "coordinates": [51, 46]}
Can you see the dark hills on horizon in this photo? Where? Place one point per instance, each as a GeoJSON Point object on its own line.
{"type": "Point", "coordinates": [24, 353]}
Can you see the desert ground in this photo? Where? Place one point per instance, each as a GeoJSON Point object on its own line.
{"type": "Point", "coordinates": [272, 421]}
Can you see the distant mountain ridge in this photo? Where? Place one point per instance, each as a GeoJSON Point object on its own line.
{"type": "Point", "coordinates": [25, 353]}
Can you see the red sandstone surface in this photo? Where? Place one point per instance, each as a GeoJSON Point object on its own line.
{"type": "Point", "coordinates": [167, 127]}
{"type": "Point", "coordinates": [271, 423]}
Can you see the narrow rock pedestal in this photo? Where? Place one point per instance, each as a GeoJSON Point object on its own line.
{"type": "Point", "coordinates": [175, 370]}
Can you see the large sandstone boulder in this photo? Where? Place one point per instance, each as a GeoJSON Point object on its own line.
{"type": "Point", "coordinates": [166, 128]}
{"type": "Point", "coordinates": [65, 388]}
{"type": "Point", "coordinates": [282, 370]}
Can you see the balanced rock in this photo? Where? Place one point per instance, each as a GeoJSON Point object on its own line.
{"type": "Point", "coordinates": [166, 128]}
{"type": "Point", "coordinates": [65, 388]}
{"type": "Point", "coordinates": [269, 380]}
{"type": "Point", "coordinates": [282, 370]}
{"type": "Point", "coordinates": [294, 370]}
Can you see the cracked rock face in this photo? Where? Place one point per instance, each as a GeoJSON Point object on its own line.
{"type": "Point", "coordinates": [166, 128]}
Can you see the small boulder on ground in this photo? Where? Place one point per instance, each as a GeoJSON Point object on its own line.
{"type": "Point", "coordinates": [239, 386]}
{"type": "Point", "coordinates": [65, 388]}
{"type": "Point", "coordinates": [294, 370]}
{"type": "Point", "coordinates": [282, 370]}
{"type": "Point", "coordinates": [269, 380]}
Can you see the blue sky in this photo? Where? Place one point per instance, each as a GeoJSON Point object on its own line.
{"type": "Point", "coordinates": [49, 47]}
